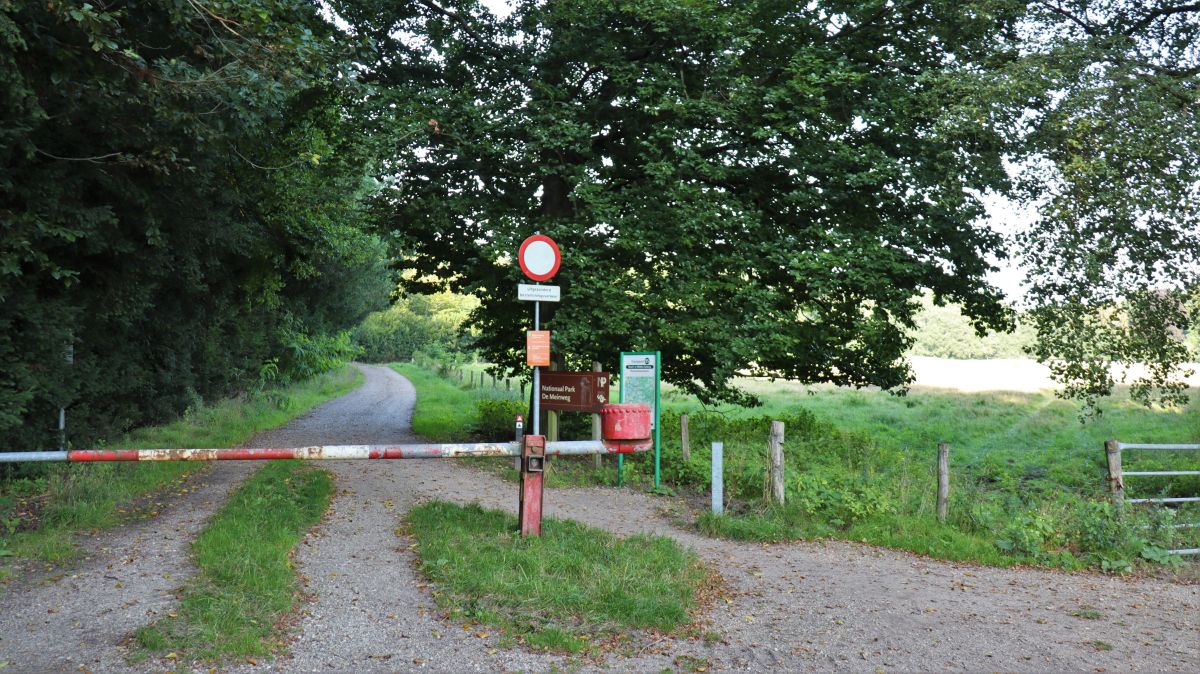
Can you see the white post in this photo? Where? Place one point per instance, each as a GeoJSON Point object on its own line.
{"type": "Point", "coordinates": [718, 478]}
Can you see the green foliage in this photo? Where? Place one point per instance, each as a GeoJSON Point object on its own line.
{"type": "Point", "coordinates": [944, 332]}
{"type": "Point", "coordinates": [180, 191]}
{"type": "Point", "coordinates": [1113, 163]}
{"type": "Point", "coordinates": [573, 581]}
{"type": "Point", "coordinates": [496, 416]}
{"type": "Point", "coordinates": [246, 583]}
{"type": "Point", "coordinates": [742, 186]}
{"type": "Point", "coordinates": [305, 357]}
{"type": "Point", "coordinates": [413, 324]}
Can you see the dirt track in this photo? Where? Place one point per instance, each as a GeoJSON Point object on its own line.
{"type": "Point", "coordinates": [813, 606]}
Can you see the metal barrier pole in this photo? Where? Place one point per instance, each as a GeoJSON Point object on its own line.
{"type": "Point", "coordinates": [331, 452]}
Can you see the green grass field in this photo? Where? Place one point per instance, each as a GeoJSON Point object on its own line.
{"type": "Point", "coordinates": [42, 505]}
{"type": "Point", "coordinates": [1028, 478]}
{"type": "Point", "coordinates": [968, 421]}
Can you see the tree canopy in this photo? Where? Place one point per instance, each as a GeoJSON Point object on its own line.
{"type": "Point", "coordinates": [1113, 161]}
{"type": "Point", "coordinates": [748, 187]}
{"type": "Point", "coordinates": [195, 190]}
{"type": "Point", "coordinates": [180, 200]}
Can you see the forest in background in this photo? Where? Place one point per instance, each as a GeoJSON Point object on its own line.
{"type": "Point", "coordinates": [198, 195]}
{"type": "Point", "coordinates": [181, 197]}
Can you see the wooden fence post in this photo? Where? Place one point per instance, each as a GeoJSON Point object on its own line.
{"type": "Point", "coordinates": [943, 494]}
{"type": "Point", "coordinates": [1116, 486]}
{"type": "Point", "coordinates": [596, 431]}
{"type": "Point", "coordinates": [683, 437]}
{"type": "Point", "coordinates": [552, 417]}
{"type": "Point", "coordinates": [776, 443]}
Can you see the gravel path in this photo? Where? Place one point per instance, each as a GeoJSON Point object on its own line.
{"type": "Point", "coordinates": [812, 606]}
{"type": "Point", "coordinates": [76, 618]}
{"type": "Point", "coordinates": [818, 606]}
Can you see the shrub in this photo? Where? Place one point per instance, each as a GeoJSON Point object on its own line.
{"type": "Point", "coordinates": [496, 417]}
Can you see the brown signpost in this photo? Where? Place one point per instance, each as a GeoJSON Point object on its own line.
{"type": "Point", "coordinates": [574, 391]}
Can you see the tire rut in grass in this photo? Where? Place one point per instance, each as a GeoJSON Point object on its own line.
{"type": "Point", "coordinates": [59, 620]}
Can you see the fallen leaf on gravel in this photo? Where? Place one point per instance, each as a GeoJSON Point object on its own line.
{"type": "Point", "coordinates": [391, 616]}
{"type": "Point", "coordinates": [749, 618]}
{"type": "Point", "coordinates": [418, 661]}
{"type": "Point", "coordinates": [482, 635]}
{"type": "Point", "coordinates": [252, 661]}
{"type": "Point", "coordinates": [171, 656]}
{"type": "Point", "coordinates": [172, 614]}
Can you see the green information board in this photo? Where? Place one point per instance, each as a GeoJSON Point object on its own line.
{"type": "Point", "coordinates": [641, 383]}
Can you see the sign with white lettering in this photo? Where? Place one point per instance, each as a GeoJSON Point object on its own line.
{"type": "Point", "coordinates": [574, 391]}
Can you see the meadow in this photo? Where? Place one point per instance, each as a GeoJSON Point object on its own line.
{"type": "Point", "coordinates": [1028, 473]}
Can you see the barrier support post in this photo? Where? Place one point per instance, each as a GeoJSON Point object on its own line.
{"type": "Point", "coordinates": [533, 462]}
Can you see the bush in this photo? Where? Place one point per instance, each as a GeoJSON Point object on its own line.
{"type": "Point", "coordinates": [307, 356]}
{"type": "Point", "coordinates": [496, 417]}
{"type": "Point", "coordinates": [417, 323]}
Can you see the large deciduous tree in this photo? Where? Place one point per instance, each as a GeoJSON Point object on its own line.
{"type": "Point", "coordinates": [762, 187]}
{"type": "Point", "coordinates": [1114, 165]}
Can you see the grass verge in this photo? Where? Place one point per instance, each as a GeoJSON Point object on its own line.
{"type": "Point", "coordinates": [575, 589]}
{"type": "Point", "coordinates": [246, 584]}
{"type": "Point", "coordinates": [445, 411]}
{"type": "Point", "coordinates": [904, 532]}
{"type": "Point", "coordinates": [44, 504]}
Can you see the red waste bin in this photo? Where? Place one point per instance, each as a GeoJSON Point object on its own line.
{"type": "Point", "coordinates": [625, 422]}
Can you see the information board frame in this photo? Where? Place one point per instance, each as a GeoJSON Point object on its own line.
{"type": "Point", "coordinates": [631, 364]}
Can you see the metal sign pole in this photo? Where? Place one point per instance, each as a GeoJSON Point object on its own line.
{"type": "Point", "coordinates": [537, 376]}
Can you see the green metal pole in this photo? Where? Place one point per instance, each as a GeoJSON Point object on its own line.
{"type": "Point", "coordinates": [657, 417]}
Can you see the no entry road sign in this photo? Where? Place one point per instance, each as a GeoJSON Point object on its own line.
{"type": "Point", "coordinates": [574, 391]}
{"type": "Point", "coordinates": [539, 257]}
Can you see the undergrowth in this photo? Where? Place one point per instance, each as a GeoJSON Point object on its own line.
{"type": "Point", "coordinates": [861, 465]}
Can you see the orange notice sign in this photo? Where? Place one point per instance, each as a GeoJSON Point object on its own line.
{"type": "Point", "coordinates": [537, 348]}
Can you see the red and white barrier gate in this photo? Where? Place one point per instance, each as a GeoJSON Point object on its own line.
{"type": "Point", "coordinates": [626, 429]}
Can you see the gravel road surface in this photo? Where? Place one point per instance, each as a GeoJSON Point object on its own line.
{"type": "Point", "coordinates": [799, 607]}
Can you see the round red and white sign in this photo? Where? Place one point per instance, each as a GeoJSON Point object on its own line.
{"type": "Point", "coordinates": [539, 257]}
